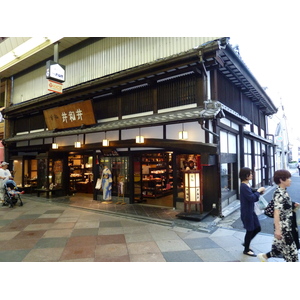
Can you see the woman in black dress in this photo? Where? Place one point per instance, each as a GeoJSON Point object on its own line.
{"type": "Point", "coordinates": [249, 218]}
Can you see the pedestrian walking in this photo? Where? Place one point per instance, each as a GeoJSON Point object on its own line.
{"type": "Point", "coordinates": [286, 238]}
{"type": "Point", "coordinates": [298, 166]}
{"type": "Point", "coordinates": [248, 197]}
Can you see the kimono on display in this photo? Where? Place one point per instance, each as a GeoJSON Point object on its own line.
{"type": "Point", "coordinates": [106, 183]}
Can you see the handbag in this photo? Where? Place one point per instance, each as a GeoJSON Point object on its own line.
{"type": "Point", "coordinates": [262, 203]}
{"type": "Point", "coordinates": [98, 184]}
{"type": "Point", "coordinates": [297, 211]}
{"type": "Point", "coordinates": [269, 210]}
{"type": "Point", "coordinates": [257, 209]}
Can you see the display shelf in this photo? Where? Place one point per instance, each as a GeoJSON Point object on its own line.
{"type": "Point", "coordinates": [156, 180]}
{"type": "Point", "coordinates": [153, 187]}
{"type": "Point", "coordinates": [81, 176]}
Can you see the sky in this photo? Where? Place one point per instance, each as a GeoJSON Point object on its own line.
{"type": "Point", "coordinates": [275, 65]}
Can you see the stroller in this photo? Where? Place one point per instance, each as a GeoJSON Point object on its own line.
{"type": "Point", "coordinates": [12, 194]}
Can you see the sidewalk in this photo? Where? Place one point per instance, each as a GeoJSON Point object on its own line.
{"type": "Point", "coordinates": [43, 231]}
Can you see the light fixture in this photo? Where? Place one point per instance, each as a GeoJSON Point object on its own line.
{"type": "Point", "coordinates": [77, 144]}
{"type": "Point", "coordinates": [54, 144]}
{"type": "Point", "coordinates": [139, 139]}
{"type": "Point", "coordinates": [105, 141]}
{"type": "Point", "coordinates": [183, 135]}
{"type": "Point", "coordinates": [192, 190]}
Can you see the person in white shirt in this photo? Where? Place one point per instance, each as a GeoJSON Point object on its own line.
{"type": "Point", "coordinates": [4, 176]}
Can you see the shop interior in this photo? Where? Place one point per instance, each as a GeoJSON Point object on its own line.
{"type": "Point", "coordinates": [119, 167]}
{"type": "Point", "coordinates": [81, 174]}
{"type": "Point", "coordinates": [154, 180]}
{"type": "Point", "coordinates": [28, 167]}
{"type": "Point", "coordinates": [32, 173]}
{"type": "Point", "coordinates": [154, 177]}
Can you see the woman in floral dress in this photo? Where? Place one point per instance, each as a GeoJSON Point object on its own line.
{"type": "Point", "coordinates": [286, 239]}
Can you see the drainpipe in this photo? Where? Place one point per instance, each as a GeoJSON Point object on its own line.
{"type": "Point", "coordinates": [201, 122]}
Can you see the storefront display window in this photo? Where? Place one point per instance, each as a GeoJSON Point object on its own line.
{"type": "Point", "coordinates": [30, 173]}
{"type": "Point", "coordinates": [228, 166]}
{"type": "Point", "coordinates": [157, 175]}
{"type": "Point", "coordinates": [81, 175]}
{"type": "Point", "coordinates": [27, 179]}
{"type": "Point", "coordinates": [17, 172]}
{"type": "Point", "coordinates": [55, 173]}
{"type": "Point", "coordinates": [119, 169]}
{"type": "Point", "coordinates": [185, 162]}
{"type": "Point", "coordinates": [227, 179]}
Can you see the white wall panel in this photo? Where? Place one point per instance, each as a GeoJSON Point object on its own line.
{"type": "Point", "coordinates": [154, 132]}
{"type": "Point", "coordinates": [195, 132]}
{"type": "Point", "coordinates": [11, 43]}
{"type": "Point", "coordinates": [104, 57]}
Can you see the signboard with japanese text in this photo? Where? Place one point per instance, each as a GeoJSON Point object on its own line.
{"type": "Point", "coordinates": [55, 87]}
{"type": "Point", "coordinates": [55, 71]}
{"type": "Point", "coordinates": [68, 116]}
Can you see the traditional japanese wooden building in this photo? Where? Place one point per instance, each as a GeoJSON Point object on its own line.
{"type": "Point", "coordinates": [151, 109]}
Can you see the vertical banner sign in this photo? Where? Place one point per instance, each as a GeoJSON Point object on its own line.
{"type": "Point", "coordinates": [72, 115]}
{"type": "Point", "coordinates": [55, 87]}
{"type": "Point", "coordinates": [56, 74]}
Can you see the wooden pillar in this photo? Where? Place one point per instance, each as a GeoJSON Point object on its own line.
{"type": "Point", "coordinates": [155, 102]}
{"type": "Point", "coordinates": [201, 89]}
{"type": "Point", "coordinates": [214, 85]}
{"type": "Point", "coordinates": [8, 126]}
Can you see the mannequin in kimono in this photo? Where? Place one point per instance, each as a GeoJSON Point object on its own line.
{"type": "Point", "coordinates": [106, 184]}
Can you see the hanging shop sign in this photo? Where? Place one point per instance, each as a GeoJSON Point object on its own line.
{"type": "Point", "coordinates": [55, 71]}
{"type": "Point", "coordinates": [72, 115]}
{"type": "Point", "coordinates": [55, 87]}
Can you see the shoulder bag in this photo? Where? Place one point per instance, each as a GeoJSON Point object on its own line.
{"type": "Point", "coordinates": [269, 210]}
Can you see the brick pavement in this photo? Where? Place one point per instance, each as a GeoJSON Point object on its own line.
{"type": "Point", "coordinates": [42, 231]}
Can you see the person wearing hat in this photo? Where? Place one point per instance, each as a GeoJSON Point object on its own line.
{"type": "Point", "coordinates": [4, 176]}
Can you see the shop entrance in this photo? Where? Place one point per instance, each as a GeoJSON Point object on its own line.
{"type": "Point", "coordinates": [81, 175]}
{"type": "Point", "coordinates": [158, 177]}
{"type": "Point", "coordinates": [85, 169]}
{"type": "Point", "coordinates": [153, 179]}
{"type": "Point", "coordinates": [118, 166]}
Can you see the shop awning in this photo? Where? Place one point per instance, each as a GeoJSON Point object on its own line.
{"type": "Point", "coordinates": [186, 115]}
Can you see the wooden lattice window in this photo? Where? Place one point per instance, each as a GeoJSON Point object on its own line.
{"type": "Point", "coordinates": [177, 92]}
{"type": "Point", "coordinates": [106, 108]}
{"type": "Point", "coordinates": [137, 101]}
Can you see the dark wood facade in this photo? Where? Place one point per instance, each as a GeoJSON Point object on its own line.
{"type": "Point", "coordinates": [184, 79]}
